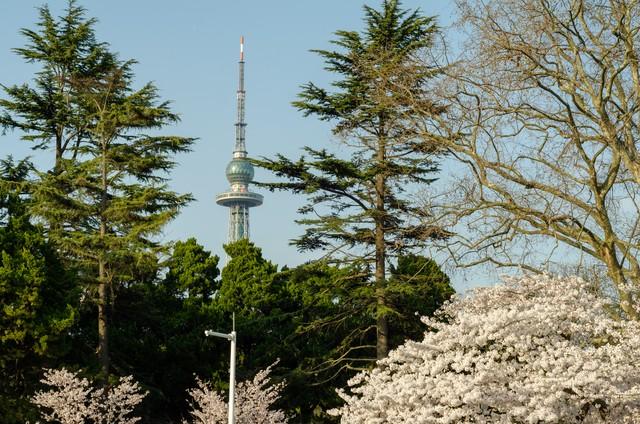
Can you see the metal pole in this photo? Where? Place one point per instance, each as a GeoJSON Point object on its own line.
{"type": "Point", "coordinates": [232, 374]}
{"type": "Point", "coordinates": [232, 367]}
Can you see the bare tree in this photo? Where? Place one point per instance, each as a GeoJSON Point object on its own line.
{"type": "Point", "coordinates": [543, 111]}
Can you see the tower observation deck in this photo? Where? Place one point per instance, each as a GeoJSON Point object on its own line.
{"type": "Point", "coordinates": [239, 172]}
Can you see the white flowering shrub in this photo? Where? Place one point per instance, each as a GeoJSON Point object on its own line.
{"type": "Point", "coordinates": [254, 400]}
{"type": "Point", "coordinates": [533, 350]}
{"type": "Point", "coordinates": [74, 400]}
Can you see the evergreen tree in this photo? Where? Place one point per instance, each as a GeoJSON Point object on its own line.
{"type": "Point", "coordinates": [107, 204]}
{"type": "Point", "coordinates": [417, 288]}
{"type": "Point", "coordinates": [251, 288]}
{"type": "Point", "coordinates": [333, 333]}
{"type": "Point", "coordinates": [361, 206]}
{"type": "Point", "coordinates": [38, 297]}
{"type": "Point", "coordinates": [247, 286]}
{"type": "Point", "coordinates": [156, 332]}
{"type": "Point", "coordinates": [192, 271]}
{"type": "Point", "coordinates": [47, 112]}
{"type": "Point", "coordinates": [265, 311]}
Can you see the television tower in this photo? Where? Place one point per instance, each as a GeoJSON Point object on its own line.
{"type": "Point", "coordinates": [239, 172]}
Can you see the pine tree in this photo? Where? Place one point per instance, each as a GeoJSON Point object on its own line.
{"type": "Point", "coordinates": [108, 203]}
{"type": "Point", "coordinates": [361, 206]}
{"type": "Point", "coordinates": [47, 111]}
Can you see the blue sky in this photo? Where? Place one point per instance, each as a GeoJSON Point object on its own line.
{"type": "Point", "coordinates": [189, 49]}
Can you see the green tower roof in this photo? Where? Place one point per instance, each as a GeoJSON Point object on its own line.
{"type": "Point", "coordinates": [239, 170]}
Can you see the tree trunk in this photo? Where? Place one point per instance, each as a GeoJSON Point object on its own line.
{"type": "Point", "coordinates": [382, 325]}
{"type": "Point", "coordinates": [103, 301]}
{"type": "Point", "coordinates": [615, 272]}
{"type": "Point", "coordinates": [103, 329]}
{"type": "Point", "coordinates": [57, 167]}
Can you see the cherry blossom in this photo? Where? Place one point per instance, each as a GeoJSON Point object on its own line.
{"type": "Point", "coordinates": [74, 400]}
{"type": "Point", "coordinates": [532, 350]}
{"type": "Point", "coordinates": [254, 400]}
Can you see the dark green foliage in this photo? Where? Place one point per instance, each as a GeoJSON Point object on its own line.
{"type": "Point", "coordinates": [192, 271]}
{"type": "Point", "coordinates": [157, 332]}
{"type": "Point", "coordinates": [38, 298]}
{"type": "Point", "coordinates": [252, 288]}
{"type": "Point", "coordinates": [271, 310]}
{"type": "Point", "coordinates": [158, 338]}
{"type": "Point", "coordinates": [337, 308]}
{"type": "Point", "coordinates": [335, 324]}
{"type": "Point", "coordinates": [326, 337]}
{"type": "Point", "coordinates": [417, 288]}
{"type": "Point", "coordinates": [248, 287]}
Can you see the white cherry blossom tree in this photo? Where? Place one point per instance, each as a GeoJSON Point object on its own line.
{"type": "Point", "coordinates": [254, 400]}
{"type": "Point", "coordinates": [532, 350]}
{"type": "Point", "coordinates": [74, 400]}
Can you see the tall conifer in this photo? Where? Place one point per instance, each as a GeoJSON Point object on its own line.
{"type": "Point", "coordinates": [360, 208]}
{"type": "Point", "coordinates": [108, 203]}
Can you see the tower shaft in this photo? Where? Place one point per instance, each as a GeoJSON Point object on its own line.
{"type": "Point", "coordinates": [238, 222]}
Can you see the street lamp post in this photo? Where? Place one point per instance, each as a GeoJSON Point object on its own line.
{"type": "Point", "coordinates": [232, 366]}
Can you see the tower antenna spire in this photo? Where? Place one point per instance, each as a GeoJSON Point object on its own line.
{"type": "Point", "coordinates": [240, 150]}
{"type": "Point", "coordinates": [239, 171]}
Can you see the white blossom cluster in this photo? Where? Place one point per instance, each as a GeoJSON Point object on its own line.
{"type": "Point", "coordinates": [533, 350]}
{"type": "Point", "coordinates": [254, 400]}
{"type": "Point", "coordinates": [634, 297]}
{"type": "Point", "coordinates": [73, 400]}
